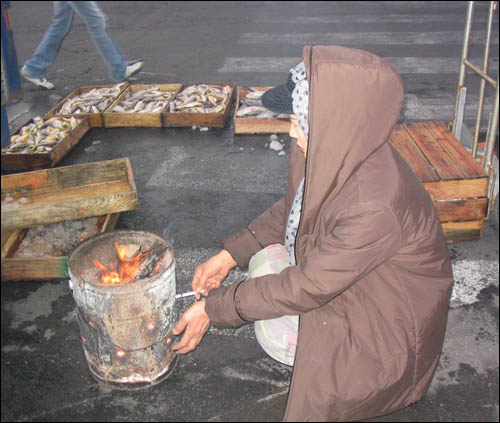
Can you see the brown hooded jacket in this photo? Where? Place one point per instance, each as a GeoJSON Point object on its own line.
{"type": "Point", "coordinates": [373, 277]}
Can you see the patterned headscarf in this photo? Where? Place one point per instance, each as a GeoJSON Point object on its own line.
{"type": "Point", "coordinates": [300, 96]}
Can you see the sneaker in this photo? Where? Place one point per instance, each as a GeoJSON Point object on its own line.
{"type": "Point", "coordinates": [133, 68]}
{"type": "Point", "coordinates": [41, 82]}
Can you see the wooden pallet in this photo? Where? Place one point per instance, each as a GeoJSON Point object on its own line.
{"type": "Point", "coordinates": [457, 184]}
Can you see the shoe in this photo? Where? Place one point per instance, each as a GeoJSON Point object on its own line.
{"type": "Point", "coordinates": [133, 68]}
{"type": "Point", "coordinates": [41, 82]}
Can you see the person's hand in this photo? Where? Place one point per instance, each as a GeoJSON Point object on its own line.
{"type": "Point", "coordinates": [195, 322]}
{"type": "Point", "coordinates": [209, 275]}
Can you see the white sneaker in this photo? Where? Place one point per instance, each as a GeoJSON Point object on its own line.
{"type": "Point", "coordinates": [41, 82]}
{"type": "Point", "coordinates": [133, 68]}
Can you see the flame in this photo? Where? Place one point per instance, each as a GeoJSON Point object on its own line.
{"type": "Point", "coordinates": [127, 267]}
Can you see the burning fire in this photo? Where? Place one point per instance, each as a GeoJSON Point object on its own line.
{"type": "Point", "coordinates": [127, 270]}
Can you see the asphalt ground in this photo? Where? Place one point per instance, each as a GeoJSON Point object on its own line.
{"type": "Point", "coordinates": [196, 187]}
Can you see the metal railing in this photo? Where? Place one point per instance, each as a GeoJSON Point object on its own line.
{"type": "Point", "coordinates": [458, 116]}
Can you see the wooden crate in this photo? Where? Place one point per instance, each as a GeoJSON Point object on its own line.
{"type": "Point", "coordinates": [118, 119]}
{"type": "Point", "coordinates": [16, 161]}
{"type": "Point", "coordinates": [95, 119]}
{"type": "Point", "coordinates": [248, 125]}
{"type": "Point", "coordinates": [457, 184]}
{"type": "Point", "coordinates": [66, 193]}
{"type": "Point", "coordinates": [39, 268]}
{"type": "Point", "coordinates": [217, 120]}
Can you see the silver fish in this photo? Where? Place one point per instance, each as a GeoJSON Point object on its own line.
{"type": "Point", "coordinates": [201, 98]}
{"type": "Point", "coordinates": [147, 100]}
{"type": "Point", "coordinates": [94, 101]}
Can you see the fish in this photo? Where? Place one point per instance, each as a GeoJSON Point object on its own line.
{"type": "Point", "coordinates": [147, 100]}
{"type": "Point", "coordinates": [251, 106]}
{"type": "Point", "coordinates": [94, 101]}
{"type": "Point", "coordinates": [201, 98]}
{"type": "Point", "coordinates": [41, 135]}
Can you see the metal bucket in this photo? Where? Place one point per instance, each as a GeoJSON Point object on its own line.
{"type": "Point", "coordinates": [125, 327]}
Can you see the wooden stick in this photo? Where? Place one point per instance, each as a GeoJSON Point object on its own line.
{"type": "Point", "coordinates": [156, 253]}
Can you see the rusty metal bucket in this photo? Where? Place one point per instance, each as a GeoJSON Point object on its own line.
{"type": "Point", "coordinates": [124, 328]}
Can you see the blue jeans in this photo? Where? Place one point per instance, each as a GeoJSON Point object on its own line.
{"type": "Point", "coordinates": [95, 20]}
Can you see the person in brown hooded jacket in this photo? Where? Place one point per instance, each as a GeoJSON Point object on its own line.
{"type": "Point", "coordinates": [372, 278]}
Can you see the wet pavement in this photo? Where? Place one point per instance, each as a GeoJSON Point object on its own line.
{"type": "Point", "coordinates": [196, 187]}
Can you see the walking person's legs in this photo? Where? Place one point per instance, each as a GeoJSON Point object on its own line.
{"type": "Point", "coordinates": [46, 52]}
{"type": "Point", "coordinates": [95, 20]}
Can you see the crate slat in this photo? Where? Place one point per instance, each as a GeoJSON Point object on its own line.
{"type": "Point", "coordinates": [444, 164]}
{"type": "Point", "coordinates": [406, 146]}
{"type": "Point", "coordinates": [457, 189]}
{"type": "Point", "coordinates": [461, 210]}
{"type": "Point", "coordinates": [471, 168]}
{"type": "Point", "coordinates": [463, 231]}
{"type": "Point", "coordinates": [92, 189]}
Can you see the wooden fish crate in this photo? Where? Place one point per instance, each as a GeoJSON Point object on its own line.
{"type": "Point", "coordinates": [43, 267]}
{"type": "Point", "coordinates": [35, 161]}
{"type": "Point", "coordinates": [457, 184]}
{"type": "Point", "coordinates": [249, 125]}
{"type": "Point", "coordinates": [130, 119]}
{"type": "Point", "coordinates": [95, 119]}
{"type": "Point", "coordinates": [217, 120]}
{"type": "Point", "coordinates": [66, 193]}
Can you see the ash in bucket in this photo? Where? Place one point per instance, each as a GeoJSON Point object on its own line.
{"type": "Point", "coordinates": [125, 326]}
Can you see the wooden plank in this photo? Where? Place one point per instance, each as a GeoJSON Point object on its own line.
{"type": "Point", "coordinates": [77, 209]}
{"type": "Point", "coordinates": [471, 167]}
{"type": "Point", "coordinates": [459, 210]}
{"type": "Point", "coordinates": [463, 231]}
{"type": "Point", "coordinates": [118, 119]}
{"type": "Point", "coordinates": [110, 222]}
{"type": "Point", "coordinates": [51, 180]}
{"type": "Point", "coordinates": [42, 268]}
{"type": "Point", "coordinates": [75, 193]}
{"type": "Point", "coordinates": [458, 189]}
{"type": "Point", "coordinates": [11, 240]}
{"type": "Point", "coordinates": [406, 146]}
{"type": "Point", "coordinates": [248, 125]}
{"type": "Point", "coordinates": [35, 268]}
{"type": "Point", "coordinates": [444, 165]}
{"type": "Point", "coordinates": [67, 193]}
{"type": "Point", "coordinates": [49, 159]}
{"type": "Point", "coordinates": [216, 120]}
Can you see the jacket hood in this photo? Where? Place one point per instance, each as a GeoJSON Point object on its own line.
{"type": "Point", "coordinates": [354, 102]}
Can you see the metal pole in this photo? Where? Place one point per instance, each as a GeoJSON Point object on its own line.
{"type": "Point", "coordinates": [461, 89]}
{"type": "Point", "coordinates": [492, 133]}
{"type": "Point", "coordinates": [483, 81]}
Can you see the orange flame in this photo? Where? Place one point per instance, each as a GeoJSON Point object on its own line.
{"type": "Point", "coordinates": [127, 268]}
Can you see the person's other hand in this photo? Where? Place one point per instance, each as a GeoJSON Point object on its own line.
{"type": "Point", "coordinates": [209, 275]}
{"type": "Point", "coordinates": [194, 323]}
